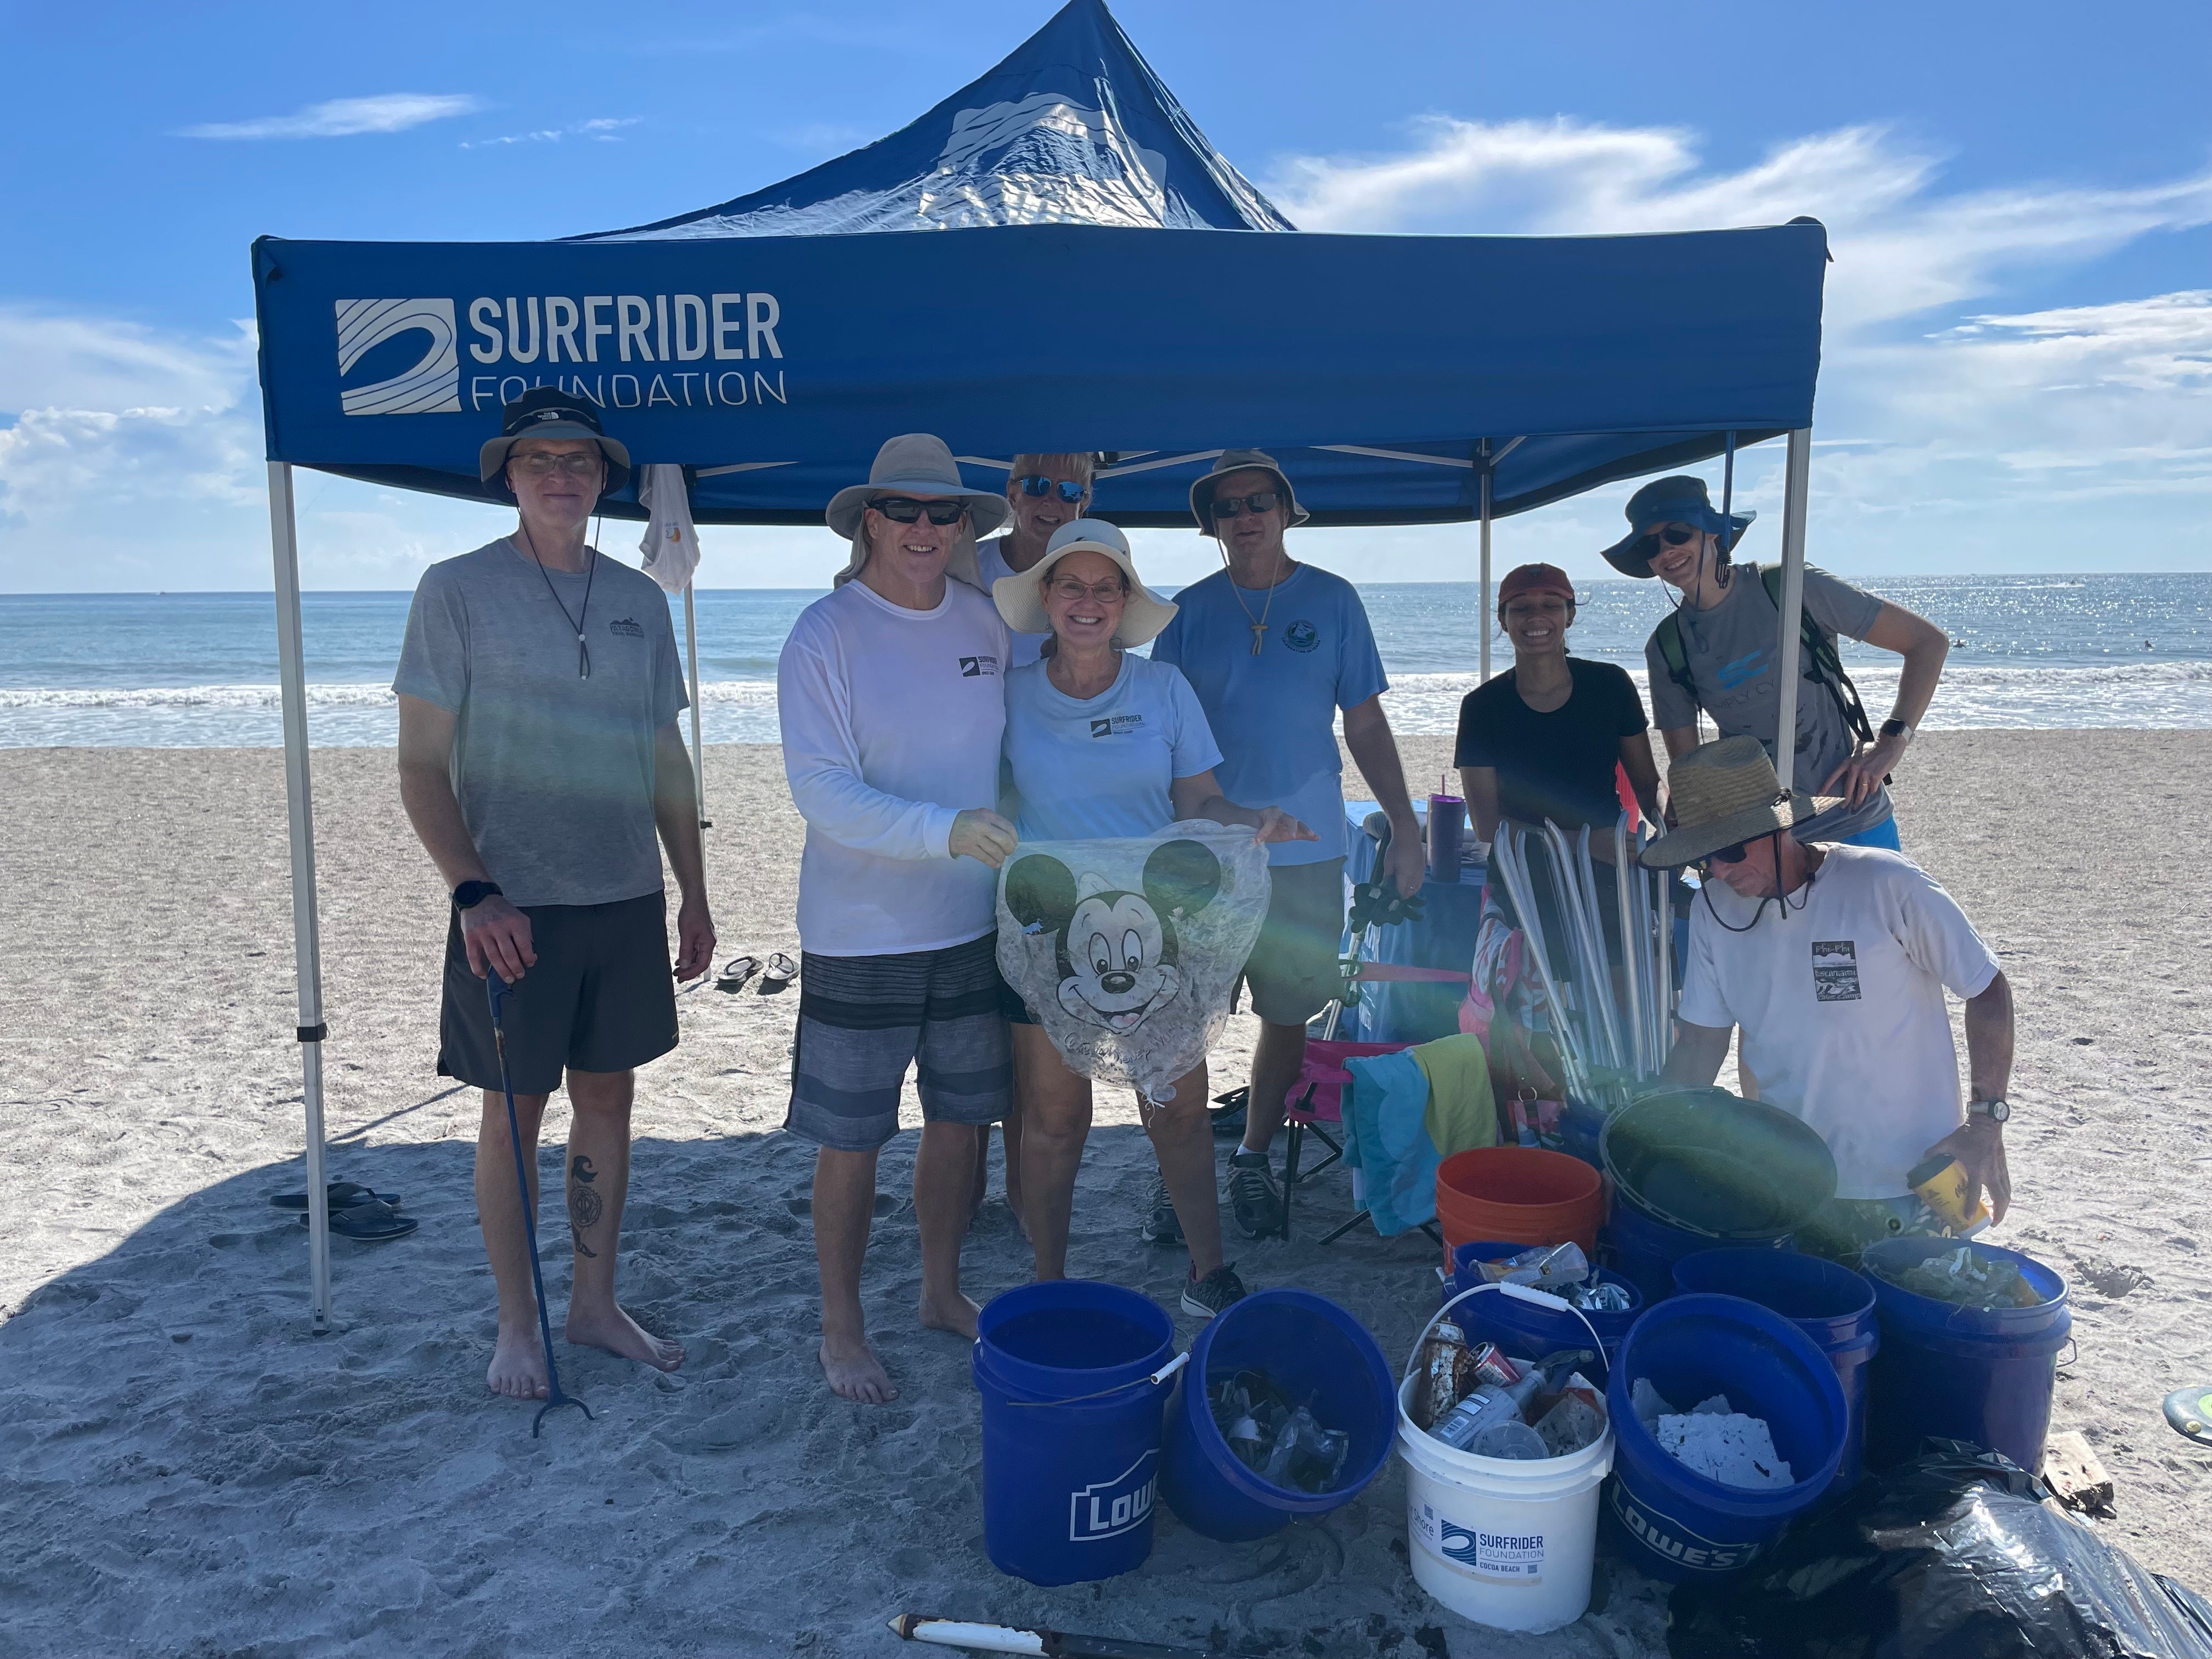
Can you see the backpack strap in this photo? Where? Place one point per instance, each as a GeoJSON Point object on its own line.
{"type": "Point", "coordinates": [1822, 664]}
{"type": "Point", "coordinates": [1668, 634]}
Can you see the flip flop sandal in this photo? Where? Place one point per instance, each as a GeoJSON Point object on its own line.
{"type": "Point", "coordinates": [2189, 1412]}
{"type": "Point", "coordinates": [340, 1195]}
{"type": "Point", "coordinates": [781, 970]}
{"type": "Point", "coordinates": [735, 972]}
{"type": "Point", "coordinates": [370, 1222]}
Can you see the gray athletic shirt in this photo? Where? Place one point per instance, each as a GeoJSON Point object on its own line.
{"type": "Point", "coordinates": [1731, 650]}
{"type": "Point", "coordinates": [553, 772]}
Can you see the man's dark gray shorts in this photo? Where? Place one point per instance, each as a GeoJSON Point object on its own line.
{"type": "Point", "coordinates": [599, 998]}
{"type": "Point", "coordinates": [1292, 972]}
{"type": "Point", "coordinates": [863, 1020]}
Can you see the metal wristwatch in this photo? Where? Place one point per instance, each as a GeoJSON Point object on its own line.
{"type": "Point", "coordinates": [1995, 1110]}
{"type": "Point", "coordinates": [470, 894]}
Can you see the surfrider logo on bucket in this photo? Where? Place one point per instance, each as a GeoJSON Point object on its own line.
{"type": "Point", "coordinates": [1106, 1509]}
{"type": "Point", "coordinates": [620, 350]}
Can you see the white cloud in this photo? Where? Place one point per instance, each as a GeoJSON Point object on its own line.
{"type": "Point", "coordinates": [346, 118]}
{"type": "Point", "coordinates": [603, 128]}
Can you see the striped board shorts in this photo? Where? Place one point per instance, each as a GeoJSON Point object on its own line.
{"type": "Point", "coordinates": [863, 1020]}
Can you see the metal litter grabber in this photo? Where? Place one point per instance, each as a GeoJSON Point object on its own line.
{"type": "Point", "coordinates": [496, 989]}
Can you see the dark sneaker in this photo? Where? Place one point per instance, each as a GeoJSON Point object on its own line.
{"type": "Point", "coordinates": [1161, 1226]}
{"type": "Point", "coordinates": [1255, 1194]}
{"type": "Point", "coordinates": [1208, 1296]}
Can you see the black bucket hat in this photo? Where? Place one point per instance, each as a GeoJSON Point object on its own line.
{"type": "Point", "coordinates": [547, 411]}
{"type": "Point", "coordinates": [1678, 500]}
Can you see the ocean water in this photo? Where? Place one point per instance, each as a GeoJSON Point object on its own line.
{"type": "Point", "coordinates": [199, 669]}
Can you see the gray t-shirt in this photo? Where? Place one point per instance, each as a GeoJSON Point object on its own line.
{"type": "Point", "coordinates": [554, 771]}
{"type": "Point", "coordinates": [1732, 652]}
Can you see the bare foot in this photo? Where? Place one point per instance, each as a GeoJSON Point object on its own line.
{"type": "Point", "coordinates": [957, 1315]}
{"type": "Point", "coordinates": [518, 1363]}
{"type": "Point", "coordinates": [618, 1333]}
{"type": "Point", "coordinates": [855, 1373]}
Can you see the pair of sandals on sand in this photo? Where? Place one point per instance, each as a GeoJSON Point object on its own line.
{"type": "Point", "coordinates": [738, 970]}
{"type": "Point", "coordinates": [356, 1212]}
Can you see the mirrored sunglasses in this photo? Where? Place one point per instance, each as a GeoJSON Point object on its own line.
{"type": "Point", "coordinates": [904, 509]}
{"type": "Point", "coordinates": [1036, 487]}
{"type": "Point", "coordinates": [1235, 507]}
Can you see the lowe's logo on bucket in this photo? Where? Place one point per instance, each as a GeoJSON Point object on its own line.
{"type": "Point", "coordinates": [1106, 1509]}
{"type": "Point", "coordinates": [1670, 1538]}
{"type": "Point", "coordinates": [422, 378]}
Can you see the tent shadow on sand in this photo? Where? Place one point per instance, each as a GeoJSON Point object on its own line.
{"type": "Point", "coordinates": [193, 1473]}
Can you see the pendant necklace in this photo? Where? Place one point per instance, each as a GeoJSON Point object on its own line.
{"type": "Point", "coordinates": [575, 623]}
{"type": "Point", "coordinates": [1259, 626]}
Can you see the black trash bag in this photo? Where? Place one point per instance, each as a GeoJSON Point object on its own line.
{"type": "Point", "coordinates": [1952, 1556]}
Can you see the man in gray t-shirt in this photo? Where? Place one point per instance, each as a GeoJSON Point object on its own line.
{"type": "Point", "coordinates": [1730, 634]}
{"type": "Point", "coordinates": [541, 766]}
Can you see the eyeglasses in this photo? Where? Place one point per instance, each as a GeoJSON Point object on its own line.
{"type": "Point", "coordinates": [1036, 486]}
{"type": "Point", "coordinates": [1069, 591]}
{"type": "Point", "coordinates": [1235, 507]}
{"type": "Point", "coordinates": [1673, 536]}
{"type": "Point", "coordinates": [904, 509]}
{"type": "Point", "coordinates": [540, 464]}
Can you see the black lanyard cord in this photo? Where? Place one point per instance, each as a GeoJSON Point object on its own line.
{"type": "Point", "coordinates": [575, 623]}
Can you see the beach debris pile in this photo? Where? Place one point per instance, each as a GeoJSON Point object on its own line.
{"type": "Point", "coordinates": [1282, 1443]}
{"type": "Point", "coordinates": [1564, 1271]}
{"type": "Point", "coordinates": [1475, 1398]}
{"type": "Point", "coordinates": [1965, 1277]}
{"type": "Point", "coordinates": [1714, 1439]}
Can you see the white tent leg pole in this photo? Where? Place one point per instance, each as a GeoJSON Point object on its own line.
{"type": "Point", "coordinates": [306, 944]}
{"type": "Point", "coordinates": [1488, 623]}
{"type": "Point", "coordinates": [692, 660]}
{"type": "Point", "coordinates": [1796, 481]}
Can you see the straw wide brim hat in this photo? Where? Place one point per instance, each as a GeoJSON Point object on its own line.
{"type": "Point", "coordinates": [1023, 606]}
{"type": "Point", "coordinates": [1242, 460]}
{"type": "Point", "coordinates": [917, 464]}
{"type": "Point", "coordinates": [1724, 792]}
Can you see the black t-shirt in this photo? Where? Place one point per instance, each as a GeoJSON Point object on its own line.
{"type": "Point", "coordinates": [1558, 766]}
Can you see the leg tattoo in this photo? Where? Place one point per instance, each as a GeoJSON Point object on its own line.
{"type": "Point", "coordinates": [585, 1205]}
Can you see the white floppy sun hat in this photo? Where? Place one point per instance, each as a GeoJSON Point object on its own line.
{"type": "Point", "coordinates": [1023, 606]}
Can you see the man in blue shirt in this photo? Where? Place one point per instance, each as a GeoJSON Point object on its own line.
{"type": "Point", "coordinates": [1274, 648]}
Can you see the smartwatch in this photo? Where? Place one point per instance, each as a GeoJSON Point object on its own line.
{"type": "Point", "coordinates": [1995, 1110]}
{"type": "Point", "coordinates": [470, 894]}
{"type": "Point", "coordinates": [1895, 728]}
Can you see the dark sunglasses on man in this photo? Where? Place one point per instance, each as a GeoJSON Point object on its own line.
{"type": "Point", "coordinates": [1673, 536]}
{"type": "Point", "coordinates": [1735, 855]}
{"type": "Point", "coordinates": [1071, 490]}
{"type": "Point", "coordinates": [904, 509]}
{"type": "Point", "coordinates": [1235, 507]}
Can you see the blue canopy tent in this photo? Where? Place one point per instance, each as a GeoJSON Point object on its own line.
{"type": "Point", "coordinates": [1092, 291]}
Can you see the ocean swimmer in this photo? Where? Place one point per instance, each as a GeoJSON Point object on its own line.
{"type": "Point", "coordinates": [1102, 744]}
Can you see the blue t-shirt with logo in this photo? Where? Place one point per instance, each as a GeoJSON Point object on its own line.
{"type": "Point", "coordinates": [1274, 715]}
{"type": "Point", "coordinates": [1080, 767]}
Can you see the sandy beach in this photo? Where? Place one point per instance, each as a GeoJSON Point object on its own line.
{"type": "Point", "coordinates": [191, 1473]}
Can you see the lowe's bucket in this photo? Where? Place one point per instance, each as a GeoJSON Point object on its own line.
{"type": "Point", "coordinates": [1644, 1251]}
{"type": "Point", "coordinates": [1074, 1375]}
{"type": "Point", "coordinates": [1671, 1521]}
{"type": "Point", "coordinates": [1960, 1372]}
{"type": "Point", "coordinates": [1526, 1327]}
{"type": "Point", "coordinates": [1830, 1303]}
{"type": "Point", "coordinates": [1504, 1543]}
{"type": "Point", "coordinates": [1320, 1357]}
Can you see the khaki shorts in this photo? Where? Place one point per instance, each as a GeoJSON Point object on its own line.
{"type": "Point", "coordinates": [1292, 971]}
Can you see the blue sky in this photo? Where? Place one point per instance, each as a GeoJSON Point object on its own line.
{"type": "Point", "coordinates": [2019, 340]}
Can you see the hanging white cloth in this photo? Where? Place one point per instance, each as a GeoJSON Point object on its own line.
{"type": "Point", "coordinates": [672, 541]}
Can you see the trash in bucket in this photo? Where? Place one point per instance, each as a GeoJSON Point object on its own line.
{"type": "Point", "coordinates": [1282, 1443]}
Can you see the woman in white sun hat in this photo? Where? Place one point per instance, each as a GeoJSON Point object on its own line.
{"type": "Point", "coordinates": [1101, 743]}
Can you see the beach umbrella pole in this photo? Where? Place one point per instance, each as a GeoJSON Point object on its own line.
{"type": "Point", "coordinates": [1797, 482]}
{"type": "Point", "coordinates": [691, 662]}
{"type": "Point", "coordinates": [1488, 622]}
{"type": "Point", "coordinates": [306, 943]}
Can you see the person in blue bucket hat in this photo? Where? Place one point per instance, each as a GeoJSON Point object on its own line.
{"type": "Point", "coordinates": [1715, 652]}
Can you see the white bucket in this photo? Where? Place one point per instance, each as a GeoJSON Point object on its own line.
{"type": "Point", "coordinates": [1504, 1543]}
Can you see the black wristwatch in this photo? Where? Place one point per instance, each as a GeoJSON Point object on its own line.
{"type": "Point", "coordinates": [1896, 728]}
{"type": "Point", "coordinates": [471, 894]}
{"type": "Point", "coordinates": [1995, 1110]}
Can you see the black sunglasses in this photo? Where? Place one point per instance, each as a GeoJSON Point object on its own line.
{"type": "Point", "coordinates": [1673, 536]}
{"type": "Point", "coordinates": [1036, 486]}
{"type": "Point", "coordinates": [1235, 507]}
{"type": "Point", "coordinates": [1735, 855]}
{"type": "Point", "coordinates": [904, 509]}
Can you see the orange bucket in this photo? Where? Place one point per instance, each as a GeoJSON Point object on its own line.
{"type": "Point", "coordinates": [1521, 1195]}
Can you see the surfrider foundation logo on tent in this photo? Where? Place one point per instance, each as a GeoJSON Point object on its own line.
{"type": "Point", "coordinates": [431, 387]}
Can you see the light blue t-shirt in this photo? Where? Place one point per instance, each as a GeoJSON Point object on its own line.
{"type": "Point", "coordinates": [1085, 767]}
{"type": "Point", "coordinates": [1274, 715]}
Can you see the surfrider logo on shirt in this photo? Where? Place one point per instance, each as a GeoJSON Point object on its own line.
{"type": "Point", "coordinates": [1302, 636]}
{"type": "Point", "coordinates": [978, 668]}
{"type": "Point", "coordinates": [1835, 970]}
{"type": "Point", "coordinates": [1115, 724]}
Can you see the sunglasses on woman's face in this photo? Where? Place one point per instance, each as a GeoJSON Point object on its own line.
{"type": "Point", "coordinates": [904, 509]}
{"type": "Point", "coordinates": [1235, 507]}
{"type": "Point", "coordinates": [1673, 536]}
{"type": "Point", "coordinates": [1036, 487]}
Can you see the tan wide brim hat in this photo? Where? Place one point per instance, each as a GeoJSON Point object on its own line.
{"type": "Point", "coordinates": [917, 464]}
{"type": "Point", "coordinates": [1242, 460]}
{"type": "Point", "coordinates": [1723, 792]}
{"type": "Point", "coordinates": [1023, 606]}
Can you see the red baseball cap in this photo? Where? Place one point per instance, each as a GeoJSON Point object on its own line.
{"type": "Point", "coordinates": [1535, 579]}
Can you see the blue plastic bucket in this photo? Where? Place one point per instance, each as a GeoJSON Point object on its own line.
{"type": "Point", "coordinates": [1643, 1249]}
{"type": "Point", "coordinates": [1676, 1524]}
{"type": "Point", "coordinates": [1320, 1357]}
{"type": "Point", "coordinates": [1524, 1327]}
{"type": "Point", "coordinates": [1959, 1372]}
{"type": "Point", "coordinates": [1071, 1428]}
{"type": "Point", "coordinates": [1830, 1303]}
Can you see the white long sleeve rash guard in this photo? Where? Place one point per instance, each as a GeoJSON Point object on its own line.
{"type": "Point", "coordinates": [892, 722]}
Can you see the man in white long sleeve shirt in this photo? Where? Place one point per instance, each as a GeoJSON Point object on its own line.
{"type": "Point", "coordinates": [892, 709]}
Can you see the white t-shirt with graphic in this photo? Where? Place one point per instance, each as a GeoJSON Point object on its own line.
{"type": "Point", "coordinates": [1841, 1007]}
{"type": "Point", "coordinates": [991, 560]}
{"type": "Point", "coordinates": [892, 720]}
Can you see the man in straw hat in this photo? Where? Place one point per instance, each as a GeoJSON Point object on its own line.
{"type": "Point", "coordinates": [1274, 649]}
{"type": "Point", "coordinates": [1833, 962]}
{"type": "Point", "coordinates": [892, 706]}
{"type": "Point", "coordinates": [539, 687]}
{"type": "Point", "coordinates": [1716, 651]}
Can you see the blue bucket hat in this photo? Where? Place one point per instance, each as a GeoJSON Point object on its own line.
{"type": "Point", "coordinates": [1678, 500]}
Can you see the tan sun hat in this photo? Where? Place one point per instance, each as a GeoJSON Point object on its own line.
{"type": "Point", "coordinates": [1723, 792]}
{"type": "Point", "coordinates": [1242, 460]}
{"type": "Point", "coordinates": [917, 464]}
{"type": "Point", "coordinates": [1023, 606]}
